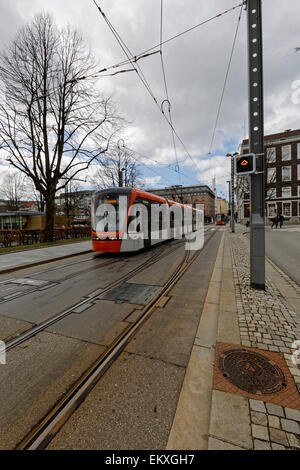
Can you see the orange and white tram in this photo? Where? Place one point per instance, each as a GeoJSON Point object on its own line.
{"type": "Point", "coordinates": [220, 219]}
{"type": "Point", "coordinates": [115, 211]}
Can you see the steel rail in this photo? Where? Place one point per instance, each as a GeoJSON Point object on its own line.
{"type": "Point", "coordinates": [17, 340]}
{"type": "Point", "coordinates": [44, 432]}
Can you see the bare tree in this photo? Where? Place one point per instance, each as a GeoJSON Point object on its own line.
{"type": "Point", "coordinates": [53, 119]}
{"type": "Point", "coordinates": [13, 190]}
{"type": "Point", "coordinates": [117, 169]}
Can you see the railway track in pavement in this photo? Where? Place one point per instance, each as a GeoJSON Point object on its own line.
{"type": "Point", "coordinates": [159, 253]}
{"type": "Point", "coordinates": [43, 433]}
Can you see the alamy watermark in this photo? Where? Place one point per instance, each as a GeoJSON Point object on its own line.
{"type": "Point", "coordinates": [150, 220]}
{"type": "Point", "coordinates": [296, 354]}
{"type": "Point", "coordinates": [2, 352]}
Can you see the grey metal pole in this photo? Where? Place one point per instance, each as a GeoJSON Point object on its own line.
{"type": "Point", "coordinates": [230, 202]}
{"type": "Point", "coordinates": [256, 144]}
{"type": "Point", "coordinates": [232, 196]}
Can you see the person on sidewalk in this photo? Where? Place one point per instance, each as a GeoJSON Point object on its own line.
{"type": "Point", "coordinates": [275, 221]}
{"type": "Point", "coordinates": [280, 219]}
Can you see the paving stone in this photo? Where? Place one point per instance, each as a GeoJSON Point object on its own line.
{"type": "Point", "coordinates": [275, 410]}
{"type": "Point", "coordinates": [283, 349]}
{"type": "Point", "coordinates": [292, 414]}
{"type": "Point", "coordinates": [259, 418]}
{"type": "Point", "coordinates": [274, 348]}
{"type": "Point", "coordinates": [274, 422]}
{"type": "Point", "coordinates": [261, 445]}
{"type": "Point", "coordinates": [278, 437]}
{"type": "Point", "coordinates": [260, 432]}
{"type": "Point", "coordinates": [230, 419]}
{"type": "Point", "coordinates": [257, 405]}
{"type": "Point", "coordinates": [290, 426]}
{"type": "Point", "coordinates": [267, 341]}
{"type": "Point", "coordinates": [277, 446]}
{"type": "Point", "coordinates": [294, 441]}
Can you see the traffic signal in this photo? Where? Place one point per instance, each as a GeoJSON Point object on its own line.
{"type": "Point", "coordinates": [245, 164]}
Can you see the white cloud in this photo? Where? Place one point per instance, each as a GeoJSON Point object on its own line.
{"type": "Point", "coordinates": [195, 66]}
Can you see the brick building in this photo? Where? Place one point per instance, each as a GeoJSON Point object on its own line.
{"type": "Point", "coordinates": [282, 178]}
{"type": "Point", "coordinates": [222, 206]}
{"type": "Point", "coordinates": [197, 194]}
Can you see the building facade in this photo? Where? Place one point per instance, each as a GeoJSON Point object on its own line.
{"type": "Point", "coordinates": [282, 178]}
{"type": "Point", "coordinates": [75, 205]}
{"type": "Point", "coordinates": [222, 206]}
{"type": "Point", "coordinates": [196, 194]}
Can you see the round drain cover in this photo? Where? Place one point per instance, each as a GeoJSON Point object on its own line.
{"type": "Point", "coordinates": [252, 372]}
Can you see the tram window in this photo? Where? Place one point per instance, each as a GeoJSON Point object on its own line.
{"type": "Point", "coordinates": [172, 218]}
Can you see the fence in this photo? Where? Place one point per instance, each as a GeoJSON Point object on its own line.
{"type": "Point", "coordinates": [30, 237]}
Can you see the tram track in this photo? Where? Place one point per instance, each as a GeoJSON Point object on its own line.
{"type": "Point", "coordinates": [48, 427]}
{"type": "Point", "coordinates": [90, 297]}
{"type": "Point", "coordinates": [53, 283]}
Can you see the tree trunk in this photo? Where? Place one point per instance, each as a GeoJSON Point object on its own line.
{"type": "Point", "coordinates": [49, 223]}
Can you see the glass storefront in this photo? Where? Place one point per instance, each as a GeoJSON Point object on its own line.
{"type": "Point", "coordinates": [13, 222]}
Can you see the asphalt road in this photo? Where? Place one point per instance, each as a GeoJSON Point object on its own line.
{"type": "Point", "coordinates": [283, 248]}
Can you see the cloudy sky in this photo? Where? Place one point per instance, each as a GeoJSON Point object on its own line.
{"type": "Point", "coordinates": [195, 67]}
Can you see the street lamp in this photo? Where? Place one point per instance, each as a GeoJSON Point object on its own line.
{"type": "Point", "coordinates": [232, 155]}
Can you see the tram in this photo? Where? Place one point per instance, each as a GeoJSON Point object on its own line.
{"type": "Point", "coordinates": [220, 219]}
{"type": "Point", "coordinates": [129, 219]}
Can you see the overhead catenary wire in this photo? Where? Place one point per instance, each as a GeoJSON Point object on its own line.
{"type": "Point", "coordinates": [166, 87]}
{"type": "Point", "coordinates": [148, 52]}
{"type": "Point", "coordinates": [226, 78]}
{"type": "Point", "coordinates": [133, 61]}
{"type": "Point", "coordinates": [140, 74]}
{"type": "Point", "coordinates": [147, 158]}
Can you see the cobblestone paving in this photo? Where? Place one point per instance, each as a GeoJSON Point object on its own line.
{"type": "Point", "coordinates": [274, 427]}
{"type": "Point", "coordinates": [266, 322]}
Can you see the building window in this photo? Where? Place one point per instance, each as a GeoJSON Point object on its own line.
{"type": "Point", "coordinates": [271, 155]}
{"type": "Point", "coordinates": [298, 172]}
{"type": "Point", "coordinates": [271, 175]}
{"type": "Point", "coordinates": [272, 209]}
{"type": "Point", "coordinates": [286, 173]}
{"type": "Point", "coordinates": [298, 150]}
{"type": "Point", "coordinates": [286, 209]}
{"type": "Point", "coordinates": [298, 191]}
{"type": "Point", "coordinates": [286, 152]}
{"type": "Point", "coordinates": [271, 193]}
{"type": "Point", "coordinates": [286, 192]}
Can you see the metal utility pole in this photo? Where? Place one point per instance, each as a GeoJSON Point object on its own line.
{"type": "Point", "coordinates": [256, 144]}
{"type": "Point", "coordinates": [232, 197]}
{"type": "Point", "coordinates": [230, 202]}
{"type": "Point", "coordinates": [232, 224]}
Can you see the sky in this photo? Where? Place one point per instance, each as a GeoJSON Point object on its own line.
{"type": "Point", "coordinates": [195, 67]}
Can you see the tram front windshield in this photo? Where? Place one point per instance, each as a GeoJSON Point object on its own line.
{"type": "Point", "coordinates": [109, 212]}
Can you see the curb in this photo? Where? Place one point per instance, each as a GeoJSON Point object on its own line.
{"type": "Point", "coordinates": [190, 429]}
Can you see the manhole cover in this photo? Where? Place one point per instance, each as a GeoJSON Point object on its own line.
{"type": "Point", "coordinates": [252, 372]}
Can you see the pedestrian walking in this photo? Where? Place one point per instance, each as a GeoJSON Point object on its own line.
{"type": "Point", "coordinates": [281, 219]}
{"type": "Point", "coordinates": [275, 221]}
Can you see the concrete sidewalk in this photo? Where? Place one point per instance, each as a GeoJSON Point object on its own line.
{"type": "Point", "coordinates": [24, 259]}
{"type": "Point", "coordinates": [242, 389]}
